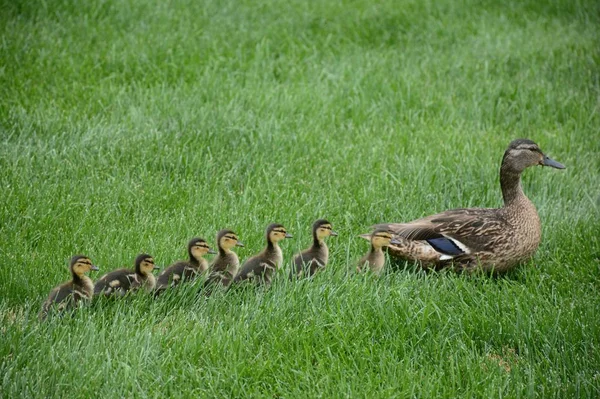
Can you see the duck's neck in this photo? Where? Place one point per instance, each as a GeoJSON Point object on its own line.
{"type": "Point", "coordinates": [194, 261]}
{"type": "Point", "coordinates": [77, 279]}
{"type": "Point", "coordinates": [272, 246]}
{"type": "Point", "coordinates": [510, 183]}
{"type": "Point", "coordinates": [318, 242]}
{"type": "Point", "coordinates": [224, 251]}
{"type": "Point", "coordinates": [375, 249]}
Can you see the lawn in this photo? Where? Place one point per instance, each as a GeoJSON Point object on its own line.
{"type": "Point", "coordinates": [131, 126]}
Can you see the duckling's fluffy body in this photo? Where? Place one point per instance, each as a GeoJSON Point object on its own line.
{"type": "Point", "coordinates": [73, 292]}
{"type": "Point", "coordinates": [489, 239]}
{"type": "Point", "coordinates": [315, 258]}
{"type": "Point", "coordinates": [185, 270]}
{"type": "Point", "coordinates": [122, 281]}
{"type": "Point", "coordinates": [261, 267]}
{"type": "Point", "coordinates": [226, 264]}
{"type": "Point", "coordinates": [375, 259]}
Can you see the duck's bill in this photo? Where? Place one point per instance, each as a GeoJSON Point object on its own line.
{"type": "Point", "coordinates": [94, 267]}
{"type": "Point", "coordinates": [239, 244]}
{"type": "Point", "coordinates": [156, 267]}
{"type": "Point", "coordinates": [212, 251]}
{"type": "Point", "coordinates": [288, 235]}
{"type": "Point", "coordinates": [395, 241]}
{"type": "Point", "coordinates": [333, 233]}
{"type": "Point", "coordinates": [552, 163]}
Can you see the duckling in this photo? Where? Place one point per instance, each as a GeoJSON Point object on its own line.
{"type": "Point", "coordinates": [375, 259]}
{"type": "Point", "coordinates": [490, 239]}
{"type": "Point", "coordinates": [73, 292]}
{"type": "Point", "coordinates": [185, 270]}
{"type": "Point", "coordinates": [226, 264]}
{"type": "Point", "coordinates": [315, 258]}
{"type": "Point", "coordinates": [121, 281]}
{"type": "Point", "coordinates": [262, 266]}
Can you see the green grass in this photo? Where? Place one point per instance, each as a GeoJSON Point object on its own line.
{"type": "Point", "coordinates": [132, 126]}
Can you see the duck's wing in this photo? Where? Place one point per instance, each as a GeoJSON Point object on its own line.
{"type": "Point", "coordinates": [455, 231]}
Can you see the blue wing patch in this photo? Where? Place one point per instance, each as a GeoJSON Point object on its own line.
{"type": "Point", "coordinates": [445, 246]}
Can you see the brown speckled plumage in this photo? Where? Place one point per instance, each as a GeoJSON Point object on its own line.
{"type": "Point", "coordinates": [493, 239]}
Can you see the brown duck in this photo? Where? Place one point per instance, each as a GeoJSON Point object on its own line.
{"type": "Point", "coordinates": [261, 267]}
{"type": "Point", "coordinates": [315, 258]}
{"type": "Point", "coordinates": [226, 264]}
{"type": "Point", "coordinates": [375, 259]}
{"type": "Point", "coordinates": [491, 239]}
{"type": "Point", "coordinates": [121, 281]}
{"type": "Point", "coordinates": [185, 270]}
{"type": "Point", "coordinates": [73, 292]}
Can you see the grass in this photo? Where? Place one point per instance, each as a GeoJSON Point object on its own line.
{"type": "Point", "coordinates": [131, 126]}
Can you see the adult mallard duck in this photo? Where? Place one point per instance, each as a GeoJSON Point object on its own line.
{"type": "Point", "coordinates": [492, 239]}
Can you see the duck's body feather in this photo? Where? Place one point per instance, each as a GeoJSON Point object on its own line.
{"type": "Point", "coordinates": [122, 281]}
{"type": "Point", "coordinates": [308, 262]}
{"type": "Point", "coordinates": [223, 269]}
{"type": "Point", "coordinates": [374, 260]}
{"type": "Point", "coordinates": [313, 259]}
{"type": "Point", "coordinates": [68, 295]}
{"type": "Point", "coordinates": [180, 271]}
{"type": "Point", "coordinates": [261, 267]}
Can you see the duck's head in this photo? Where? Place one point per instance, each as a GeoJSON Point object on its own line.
{"type": "Point", "coordinates": [523, 153]}
{"type": "Point", "coordinates": [144, 264]}
{"type": "Point", "coordinates": [382, 238]}
{"type": "Point", "coordinates": [81, 264]}
{"type": "Point", "coordinates": [198, 247]}
{"type": "Point", "coordinates": [322, 228]}
{"type": "Point", "coordinates": [227, 239]}
{"type": "Point", "coordinates": [276, 232]}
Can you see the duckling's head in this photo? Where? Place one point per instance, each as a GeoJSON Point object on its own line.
{"type": "Point", "coordinates": [81, 264]}
{"type": "Point", "coordinates": [198, 247]}
{"type": "Point", "coordinates": [523, 153]}
{"type": "Point", "coordinates": [144, 264]}
{"type": "Point", "coordinates": [276, 232]}
{"type": "Point", "coordinates": [382, 238]}
{"type": "Point", "coordinates": [322, 228]}
{"type": "Point", "coordinates": [227, 239]}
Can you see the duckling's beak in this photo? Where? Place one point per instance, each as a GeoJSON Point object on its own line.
{"type": "Point", "coordinates": [395, 241]}
{"type": "Point", "coordinates": [211, 251]}
{"type": "Point", "coordinates": [333, 233]}
{"type": "Point", "coordinates": [239, 244]}
{"type": "Point", "coordinates": [94, 267]}
{"type": "Point", "coordinates": [552, 163]}
{"type": "Point", "coordinates": [156, 267]}
{"type": "Point", "coordinates": [288, 235]}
